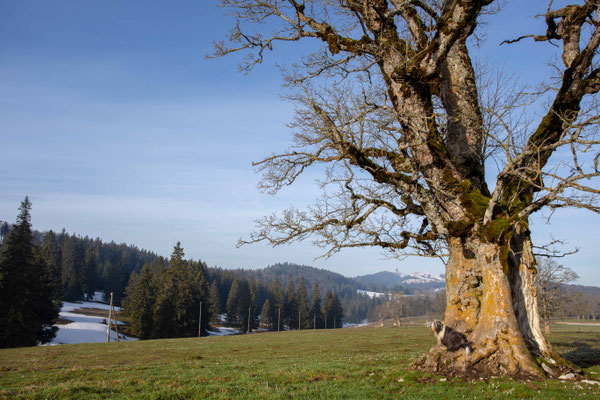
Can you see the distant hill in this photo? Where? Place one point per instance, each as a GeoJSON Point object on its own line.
{"type": "Point", "coordinates": [591, 290]}
{"type": "Point", "coordinates": [409, 283]}
{"type": "Point", "coordinates": [327, 280]}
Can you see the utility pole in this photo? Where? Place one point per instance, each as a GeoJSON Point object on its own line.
{"type": "Point", "coordinates": [200, 321]}
{"type": "Point", "coordinates": [315, 321]}
{"type": "Point", "coordinates": [249, 308]}
{"type": "Point", "coordinates": [299, 319]}
{"type": "Point", "coordinates": [278, 318]}
{"type": "Point", "coordinates": [116, 322]}
{"type": "Point", "coordinates": [109, 318]}
{"type": "Point", "coordinates": [325, 321]}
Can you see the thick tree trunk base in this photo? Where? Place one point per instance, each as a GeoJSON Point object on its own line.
{"type": "Point", "coordinates": [477, 366]}
{"type": "Point", "coordinates": [491, 298]}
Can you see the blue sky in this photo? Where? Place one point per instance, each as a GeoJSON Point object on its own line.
{"type": "Point", "coordinates": [117, 126]}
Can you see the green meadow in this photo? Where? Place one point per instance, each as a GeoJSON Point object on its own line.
{"type": "Point", "coordinates": [357, 363]}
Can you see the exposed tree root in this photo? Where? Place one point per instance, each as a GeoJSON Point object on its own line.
{"type": "Point", "coordinates": [480, 365]}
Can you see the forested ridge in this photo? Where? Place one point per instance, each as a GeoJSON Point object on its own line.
{"type": "Point", "coordinates": [179, 297]}
{"type": "Point", "coordinates": [85, 265]}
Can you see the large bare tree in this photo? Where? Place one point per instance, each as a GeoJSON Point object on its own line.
{"type": "Point", "coordinates": [393, 107]}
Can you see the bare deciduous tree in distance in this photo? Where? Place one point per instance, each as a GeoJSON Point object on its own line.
{"type": "Point", "coordinates": [551, 276]}
{"type": "Point", "coordinates": [393, 107]}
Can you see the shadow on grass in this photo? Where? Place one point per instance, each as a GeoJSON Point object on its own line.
{"type": "Point", "coordinates": [584, 354]}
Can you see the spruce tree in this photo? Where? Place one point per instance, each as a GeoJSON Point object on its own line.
{"type": "Point", "coordinates": [244, 305]}
{"type": "Point", "coordinates": [290, 307]}
{"type": "Point", "coordinates": [140, 303]}
{"type": "Point", "coordinates": [201, 296]}
{"type": "Point", "coordinates": [89, 273]}
{"type": "Point", "coordinates": [165, 322]}
{"type": "Point", "coordinates": [29, 304]}
{"type": "Point", "coordinates": [265, 315]}
{"type": "Point", "coordinates": [337, 311]}
{"type": "Point", "coordinates": [46, 297]}
{"type": "Point", "coordinates": [328, 310]}
{"type": "Point", "coordinates": [276, 311]}
{"type": "Point", "coordinates": [254, 310]}
{"type": "Point", "coordinates": [303, 305]}
{"type": "Point", "coordinates": [215, 302]}
{"type": "Point", "coordinates": [232, 303]}
{"type": "Point", "coordinates": [72, 266]}
{"type": "Point", "coordinates": [178, 284]}
{"type": "Point", "coordinates": [52, 255]}
{"type": "Point", "coordinates": [315, 307]}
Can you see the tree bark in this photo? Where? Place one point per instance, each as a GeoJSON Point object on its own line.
{"type": "Point", "coordinates": [491, 298]}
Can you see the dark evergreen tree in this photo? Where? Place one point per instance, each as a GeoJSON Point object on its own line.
{"type": "Point", "coordinates": [305, 319]}
{"type": "Point", "coordinates": [254, 310]}
{"type": "Point", "coordinates": [333, 311]}
{"type": "Point", "coordinates": [46, 297]}
{"type": "Point", "coordinates": [177, 292]}
{"type": "Point", "coordinates": [315, 307]}
{"type": "Point", "coordinates": [276, 306]}
{"type": "Point", "coordinates": [201, 296]}
{"type": "Point", "coordinates": [141, 302]}
{"type": "Point", "coordinates": [265, 315]}
{"type": "Point", "coordinates": [232, 303]}
{"type": "Point", "coordinates": [244, 305]}
{"type": "Point", "coordinates": [89, 273]}
{"type": "Point", "coordinates": [52, 255]}
{"type": "Point", "coordinates": [290, 306]}
{"type": "Point", "coordinates": [215, 302]}
{"type": "Point", "coordinates": [165, 322]}
{"type": "Point", "coordinates": [72, 263]}
{"type": "Point", "coordinates": [28, 292]}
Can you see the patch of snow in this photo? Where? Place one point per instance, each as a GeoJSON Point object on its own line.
{"type": "Point", "coordinates": [224, 331]}
{"type": "Point", "coordinates": [370, 294]}
{"type": "Point", "coordinates": [98, 297]}
{"type": "Point", "coordinates": [423, 277]}
{"type": "Point", "coordinates": [354, 324]}
{"type": "Point", "coordinates": [70, 306]}
{"type": "Point", "coordinates": [84, 328]}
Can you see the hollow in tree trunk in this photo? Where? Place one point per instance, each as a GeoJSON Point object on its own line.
{"type": "Point", "coordinates": [491, 297]}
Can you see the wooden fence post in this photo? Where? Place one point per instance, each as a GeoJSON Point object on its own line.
{"type": "Point", "coordinates": [200, 321]}
{"type": "Point", "coordinates": [109, 318]}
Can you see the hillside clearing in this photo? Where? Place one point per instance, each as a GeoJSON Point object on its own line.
{"type": "Point", "coordinates": [363, 363]}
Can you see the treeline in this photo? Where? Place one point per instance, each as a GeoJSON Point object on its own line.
{"type": "Point", "coordinates": [85, 266]}
{"type": "Point", "coordinates": [356, 306]}
{"type": "Point", "coordinates": [180, 298]}
{"type": "Point", "coordinates": [579, 302]}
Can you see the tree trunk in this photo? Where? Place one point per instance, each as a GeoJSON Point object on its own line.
{"type": "Point", "coordinates": [491, 298]}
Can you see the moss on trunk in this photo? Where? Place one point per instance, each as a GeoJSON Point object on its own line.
{"type": "Point", "coordinates": [491, 298]}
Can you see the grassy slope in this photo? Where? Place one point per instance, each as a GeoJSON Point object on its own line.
{"type": "Point", "coordinates": [358, 363]}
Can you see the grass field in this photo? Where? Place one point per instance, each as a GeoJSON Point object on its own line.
{"type": "Point", "coordinates": [360, 363]}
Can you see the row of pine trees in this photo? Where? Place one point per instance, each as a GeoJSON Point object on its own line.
{"type": "Point", "coordinates": [175, 299]}
{"type": "Point", "coordinates": [168, 299]}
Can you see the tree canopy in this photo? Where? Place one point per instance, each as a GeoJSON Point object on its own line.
{"type": "Point", "coordinates": [405, 125]}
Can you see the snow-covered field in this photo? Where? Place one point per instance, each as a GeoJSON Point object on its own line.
{"type": "Point", "coordinates": [84, 328]}
{"type": "Point", "coordinates": [224, 331]}
{"type": "Point", "coordinates": [92, 329]}
{"type": "Point", "coordinates": [369, 293]}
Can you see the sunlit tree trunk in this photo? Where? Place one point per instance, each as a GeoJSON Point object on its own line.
{"type": "Point", "coordinates": [491, 297]}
